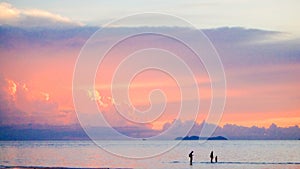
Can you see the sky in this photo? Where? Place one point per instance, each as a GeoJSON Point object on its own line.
{"type": "Point", "coordinates": [257, 41]}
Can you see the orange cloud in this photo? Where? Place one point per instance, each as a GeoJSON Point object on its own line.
{"type": "Point", "coordinates": [12, 88]}
{"type": "Point", "coordinates": [7, 11]}
{"type": "Point", "coordinates": [32, 17]}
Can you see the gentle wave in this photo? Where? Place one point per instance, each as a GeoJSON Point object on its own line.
{"type": "Point", "coordinates": [244, 162]}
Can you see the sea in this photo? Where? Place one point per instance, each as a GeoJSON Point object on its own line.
{"type": "Point", "coordinates": [150, 154]}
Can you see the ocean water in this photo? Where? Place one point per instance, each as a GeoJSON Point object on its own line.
{"type": "Point", "coordinates": [167, 154]}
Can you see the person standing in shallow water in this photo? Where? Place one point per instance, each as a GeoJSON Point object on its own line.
{"type": "Point", "coordinates": [191, 157]}
{"type": "Point", "coordinates": [216, 159]}
{"type": "Point", "coordinates": [211, 156]}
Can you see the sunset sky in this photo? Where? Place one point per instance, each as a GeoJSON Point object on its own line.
{"type": "Point", "coordinates": [257, 41]}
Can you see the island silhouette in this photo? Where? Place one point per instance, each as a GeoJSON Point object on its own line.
{"type": "Point", "coordinates": [201, 138]}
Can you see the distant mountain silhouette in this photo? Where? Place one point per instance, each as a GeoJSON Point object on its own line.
{"type": "Point", "coordinates": [201, 138]}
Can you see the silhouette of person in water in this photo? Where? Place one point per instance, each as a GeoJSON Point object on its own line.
{"type": "Point", "coordinates": [216, 159]}
{"type": "Point", "coordinates": [191, 157]}
{"type": "Point", "coordinates": [211, 156]}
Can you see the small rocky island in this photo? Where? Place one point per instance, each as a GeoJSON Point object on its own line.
{"type": "Point", "coordinates": [201, 138]}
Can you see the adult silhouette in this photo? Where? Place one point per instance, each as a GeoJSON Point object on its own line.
{"type": "Point", "coordinates": [211, 156]}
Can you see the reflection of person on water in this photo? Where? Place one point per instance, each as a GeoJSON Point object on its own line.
{"type": "Point", "coordinates": [211, 156]}
{"type": "Point", "coordinates": [191, 157]}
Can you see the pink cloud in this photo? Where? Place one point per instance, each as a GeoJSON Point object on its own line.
{"type": "Point", "coordinates": [26, 105]}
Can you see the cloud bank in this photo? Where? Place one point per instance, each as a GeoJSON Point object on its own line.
{"type": "Point", "coordinates": [75, 132]}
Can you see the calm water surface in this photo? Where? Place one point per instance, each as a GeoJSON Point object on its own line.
{"type": "Point", "coordinates": [231, 154]}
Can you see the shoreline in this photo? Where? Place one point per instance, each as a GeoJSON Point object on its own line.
{"type": "Point", "coordinates": [42, 167]}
